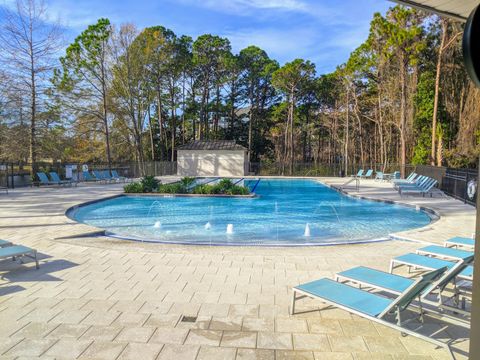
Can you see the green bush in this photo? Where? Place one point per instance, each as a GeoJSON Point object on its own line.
{"type": "Point", "coordinates": [149, 183]}
{"type": "Point", "coordinates": [238, 190]}
{"type": "Point", "coordinates": [187, 181]}
{"type": "Point", "coordinates": [133, 188]}
{"type": "Point", "coordinates": [203, 189]}
{"type": "Point", "coordinates": [224, 186]}
{"type": "Point", "coordinates": [175, 188]}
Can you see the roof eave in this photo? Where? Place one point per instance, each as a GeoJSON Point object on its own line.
{"type": "Point", "coordinates": [416, 5]}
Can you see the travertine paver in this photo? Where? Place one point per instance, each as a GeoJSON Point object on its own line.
{"type": "Point", "coordinates": [97, 297]}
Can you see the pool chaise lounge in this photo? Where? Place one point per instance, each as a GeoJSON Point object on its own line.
{"type": "Point", "coordinates": [359, 174]}
{"type": "Point", "coordinates": [4, 188]}
{"type": "Point", "coordinates": [372, 306]}
{"type": "Point", "coordinates": [444, 252]}
{"type": "Point", "coordinates": [56, 178]}
{"type": "Point", "coordinates": [4, 243]}
{"type": "Point", "coordinates": [396, 284]}
{"type": "Point", "coordinates": [44, 180]}
{"type": "Point", "coordinates": [460, 242]}
{"type": "Point", "coordinates": [423, 189]}
{"type": "Point", "coordinates": [19, 251]}
{"type": "Point", "coordinates": [368, 174]}
{"type": "Point", "coordinates": [410, 179]}
{"type": "Point", "coordinates": [422, 262]}
{"type": "Point", "coordinates": [118, 177]}
{"type": "Point", "coordinates": [89, 178]}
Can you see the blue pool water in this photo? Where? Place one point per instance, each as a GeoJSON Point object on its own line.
{"type": "Point", "coordinates": [278, 216]}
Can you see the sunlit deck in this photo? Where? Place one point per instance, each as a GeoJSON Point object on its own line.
{"type": "Point", "coordinates": [97, 297]}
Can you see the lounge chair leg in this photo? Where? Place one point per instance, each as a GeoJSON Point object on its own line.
{"type": "Point", "coordinates": [36, 261]}
{"type": "Point", "coordinates": [292, 307]}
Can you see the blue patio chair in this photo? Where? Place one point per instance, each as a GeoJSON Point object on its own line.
{"type": "Point", "coordinates": [460, 242]}
{"type": "Point", "coordinates": [44, 180]}
{"type": "Point", "coordinates": [88, 177]}
{"type": "Point", "coordinates": [118, 177]}
{"type": "Point", "coordinates": [359, 174]}
{"type": "Point", "coordinates": [4, 243]}
{"type": "Point", "coordinates": [372, 306]}
{"type": "Point", "coordinates": [425, 187]}
{"type": "Point", "coordinates": [54, 176]}
{"type": "Point", "coordinates": [418, 181]}
{"type": "Point", "coordinates": [368, 174]}
{"type": "Point", "coordinates": [444, 252]}
{"type": "Point", "coordinates": [107, 177]}
{"type": "Point", "coordinates": [396, 284]}
{"type": "Point", "coordinates": [410, 178]}
{"type": "Point", "coordinates": [18, 251]}
{"type": "Point", "coordinates": [422, 262]}
{"type": "Point", "coordinates": [100, 176]}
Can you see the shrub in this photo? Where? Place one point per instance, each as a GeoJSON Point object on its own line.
{"type": "Point", "coordinates": [238, 190]}
{"type": "Point", "coordinates": [187, 181]}
{"type": "Point", "coordinates": [149, 183]}
{"type": "Point", "coordinates": [175, 188]}
{"type": "Point", "coordinates": [133, 188]}
{"type": "Point", "coordinates": [203, 189]}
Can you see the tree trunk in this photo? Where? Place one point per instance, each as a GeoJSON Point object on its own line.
{"type": "Point", "coordinates": [437, 90]}
{"type": "Point", "coordinates": [403, 115]}
{"type": "Point", "coordinates": [347, 135]}
{"type": "Point", "coordinates": [33, 125]}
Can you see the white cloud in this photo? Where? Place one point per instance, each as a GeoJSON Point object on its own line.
{"type": "Point", "coordinates": [244, 7]}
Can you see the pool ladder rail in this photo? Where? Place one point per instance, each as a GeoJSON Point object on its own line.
{"type": "Point", "coordinates": [357, 183]}
{"type": "Point", "coordinates": [255, 186]}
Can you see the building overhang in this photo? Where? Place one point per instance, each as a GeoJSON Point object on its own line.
{"type": "Point", "coordinates": [455, 9]}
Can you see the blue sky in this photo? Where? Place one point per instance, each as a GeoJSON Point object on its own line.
{"type": "Point", "coordinates": [323, 31]}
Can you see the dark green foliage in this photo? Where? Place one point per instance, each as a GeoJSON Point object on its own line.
{"type": "Point", "coordinates": [133, 188]}
{"type": "Point", "coordinates": [187, 181]}
{"type": "Point", "coordinates": [175, 188]}
{"type": "Point", "coordinates": [224, 186]}
{"type": "Point", "coordinates": [149, 183]}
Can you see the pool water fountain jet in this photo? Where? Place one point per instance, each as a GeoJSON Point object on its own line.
{"type": "Point", "coordinates": [336, 213]}
{"type": "Point", "coordinates": [157, 225]}
{"type": "Point", "coordinates": [230, 229]}
{"type": "Point", "coordinates": [208, 226]}
{"type": "Point", "coordinates": [151, 206]}
{"type": "Point", "coordinates": [306, 233]}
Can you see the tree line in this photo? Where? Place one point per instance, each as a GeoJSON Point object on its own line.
{"type": "Point", "coordinates": [119, 93]}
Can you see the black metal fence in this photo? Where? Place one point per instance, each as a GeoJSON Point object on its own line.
{"type": "Point", "coordinates": [313, 169]}
{"type": "Point", "coordinates": [458, 183]}
{"type": "Point", "coordinates": [19, 174]}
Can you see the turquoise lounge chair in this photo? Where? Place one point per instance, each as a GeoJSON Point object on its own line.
{"type": "Point", "coordinates": [4, 243]}
{"type": "Point", "coordinates": [419, 181]}
{"type": "Point", "coordinates": [359, 174]}
{"type": "Point", "coordinates": [54, 176]}
{"type": "Point", "coordinates": [370, 305]}
{"type": "Point", "coordinates": [19, 251]}
{"type": "Point", "coordinates": [444, 252]}
{"type": "Point", "coordinates": [460, 242]}
{"type": "Point", "coordinates": [106, 175]}
{"type": "Point", "coordinates": [118, 177]}
{"type": "Point", "coordinates": [368, 174]}
{"type": "Point", "coordinates": [397, 284]}
{"type": "Point", "coordinates": [44, 180]}
{"type": "Point", "coordinates": [425, 188]}
{"type": "Point", "coordinates": [89, 178]}
{"type": "Point", "coordinates": [381, 176]}
{"type": "Point", "coordinates": [410, 178]}
{"type": "Point", "coordinates": [100, 176]}
{"type": "Point", "coordinates": [417, 261]}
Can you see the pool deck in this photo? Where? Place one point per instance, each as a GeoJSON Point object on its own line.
{"type": "Point", "coordinates": [102, 298]}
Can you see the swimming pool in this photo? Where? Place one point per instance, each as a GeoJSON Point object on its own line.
{"type": "Point", "coordinates": [285, 213]}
